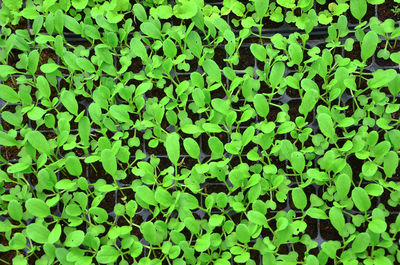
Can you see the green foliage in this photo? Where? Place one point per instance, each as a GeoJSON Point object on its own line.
{"type": "Point", "coordinates": [196, 132]}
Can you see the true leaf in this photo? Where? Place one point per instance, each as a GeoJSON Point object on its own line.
{"type": "Point", "coordinates": [172, 147]}
{"type": "Point", "coordinates": [73, 165]}
{"type": "Point", "coordinates": [8, 94]}
{"type": "Point", "coordinates": [191, 147]}
{"type": "Point", "coordinates": [67, 98]}
{"type": "Point", "coordinates": [326, 125]}
{"type": "Point", "coordinates": [337, 219]}
{"type": "Point", "coordinates": [261, 7]}
{"type": "Point", "coordinates": [109, 161]}
{"type": "Point", "coordinates": [38, 141]}
{"type": "Point", "coordinates": [37, 232]}
{"type": "Point", "coordinates": [15, 210]}
{"type": "Point", "coordinates": [261, 105]}
{"type": "Point", "coordinates": [369, 44]}
{"type": "Point", "coordinates": [361, 199]}
{"type": "Point", "coordinates": [37, 207]}
{"type": "Point", "coordinates": [299, 198]}
{"type": "Point", "coordinates": [107, 254]}
{"type": "Point", "coordinates": [358, 8]}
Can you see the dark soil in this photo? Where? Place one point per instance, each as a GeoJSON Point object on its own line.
{"type": "Point", "coordinates": [98, 173]}
{"type": "Point", "coordinates": [136, 66]}
{"type": "Point", "coordinates": [385, 11]}
{"type": "Point", "coordinates": [328, 232]}
{"type": "Point", "coordinates": [269, 24]}
{"type": "Point", "coordinates": [246, 58]}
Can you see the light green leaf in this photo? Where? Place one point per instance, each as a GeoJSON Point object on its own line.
{"type": "Point", "coordinates": [38, 141]}
{"type": "Point", "coordinates": [172, 147]}
{"type": "Point", "coordinates": [361, 199]}
{"type": "Point", "coordinates": [67, 98]}
{"type": "Point", "coordinates": [37, 207]}
{"type": "Point", "coordinates": [325, 124]}
{"type": "Point", "coordinates": [8, 94]}
{"type": "Point", "coordinates": [107, 254]}
{"type": "Point", "coordinates": [109, 161]}
{"type": "Point", "coordinates": [261, 105]}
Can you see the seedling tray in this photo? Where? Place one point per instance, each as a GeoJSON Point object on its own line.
{"type": "Point", "coordinates": [103, 178]}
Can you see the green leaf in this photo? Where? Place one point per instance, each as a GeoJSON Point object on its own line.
{"type": "Point", "coordinates": [317, 213]}
{"type": "Point", "coordinates": [67, 98]}
{"type": "Point", "coordinates": [72, 24]}
{"type": "Point", "coordinates": [139, 12]}
{"type": "Point", "coordinates": [261, 105]}
{"type": "Point", "coordinates": [296, 53]}
{"type": "Point", "coordinates": [390, 163]}
{"type": "Point", "coordinates": [277, 73]}
{"type": "Point", "coordinates": [308, 102]}
{"type": "Point", "coordinates": [79, 4]}
{"type": "Point", "coordinates": [43, 86]}
{"type": "Point", "coordinates": [298, 161]}
{"type": "Point", "coordinates": [38, 141]}
{"type": "Point", "coordinates": [74, 239]}
{"type": "Point", "coordinates": [259, 52]}
{"type": "Point", "coordinates": [185, 10]}
{"type": "Point", "coordinates": [37, 207]}
{"type": "Point", "coordinates": [361, 199]}
{"type": "Point", "coordinates": [203, 243]}
{"type": "Point", "coordinates": [85, 65]}
{"type": "Point", "coordinates": [145, 194]}
{"type": "Point", "coordinates": [212, 70]}
{"type": "Point", "coordinates": [216, 147]}
{"type": "Point", "coordinates": [55, 234]}
{"type": "Point", "coordinates": [343, 184]}
{"type": "Point", "coordinates": [261, 7]}
{"type": "Point", "coordinates": [194, 43]}
{"type": "Point", "coordinates": [33, 61]}
{"type": "Point", "coordinates": [358, 8]}
{"type": "Point", "coordinates": [191, 147]}
{"type": "Point", "coordinates": [360, 243]}
{"type": "Point", "coordinates": [73, 165]}
{"type": "Point", "coordinates": [286, 127]}
{"type": "Point", "coordinates": [257, 218]}
{"type": "Point", "coordinates": [163, 11]}
{"type": "Point", "coordinates": [151, 30]}
{"type": "Point", "coordinates": [37, 232]}
{"type": "Point", "coordinates": [369, 44]}
{"type": "Point", "coordinates": [7, 139]}
{"type": "Point", "coordinates": [216, 220]}
{"type": "Point", "coordinates": [169, 48]}
{"type": "Point", "coordinates": [149, 232]}
{"type": "Point", "coordinates": [107, 254]}
{"type": "Point", "coordinates": [337, 219]}
{"type": "Point", "coordinates": [369, 168]}
{"type": "Point", "coordinates": [84, 130]}
{"type": "Point", "coordinates": [325, 124]}
{"type": "Point", "coordinates": [299, 198]}
{"type": "Point", "coordinates": [172, 147]}
{"type": "Point", "coordinates": [15, 210]}
{"type": "Point", "coordinates": [8, 94]}
{"type": "Point", "coordinates": [377, 226]}
{"type": "Point", "coordinates": [6, 70]}
{"type": "Point", "coordinates": [18, 241]}
{"type": "Point", "coordinates": [49, 68]}
{"type": "Point", "coordinates": [163, 197]}
{"type": "Point", "coordinates": [242, 233]}
{"type": "Point", "coordinates": [109, 161]}
{"type": "Point", "coordinates": [120, 112]}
